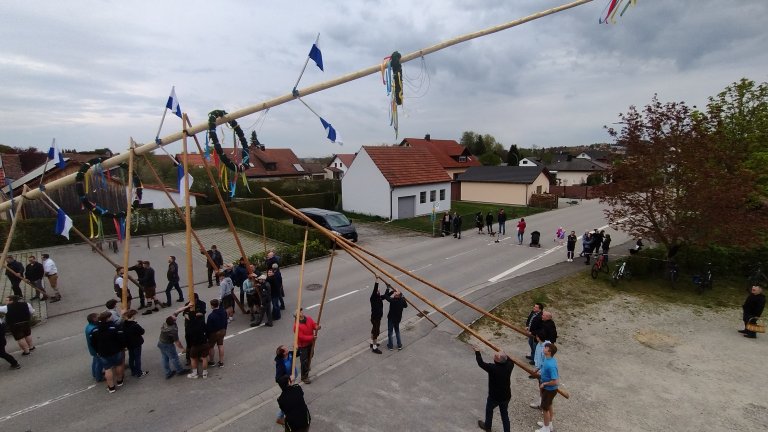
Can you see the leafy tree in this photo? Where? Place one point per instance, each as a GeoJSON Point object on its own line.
{"type": "Point", "coordinates": [489, 158]}
{"type": "Point", "coordinates": [468, 140]}
{"type": "Point", "coordinates": [672, 185]}
{"type": "Point", "coordinates": [513, 156]}
{"type": "Point", "coordinates": [479, 147]}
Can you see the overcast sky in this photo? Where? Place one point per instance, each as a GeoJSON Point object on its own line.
{"type": "Point", "coordinates": [94, 73]}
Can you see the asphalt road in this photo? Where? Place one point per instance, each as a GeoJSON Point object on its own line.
{"type": "Point", "coordinates": [54, 388]}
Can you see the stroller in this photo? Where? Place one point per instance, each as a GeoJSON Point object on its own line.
{"type": "Point", "coordinates": [535, 237]}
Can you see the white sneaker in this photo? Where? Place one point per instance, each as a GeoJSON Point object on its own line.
{"type": "Point", "coordinates": [541, 425]}
{"type": "Point", "coordinates": [534, 405]}
{"type": "Point", "coordinates": [205, 374]}
{"type": "Point", "coordinates": [193, 375]}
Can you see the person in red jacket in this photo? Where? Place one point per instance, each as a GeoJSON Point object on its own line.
{"type": "Point", "coordinates": [520, 230]}
{"type": "Point", "coordinates": [307, 335]}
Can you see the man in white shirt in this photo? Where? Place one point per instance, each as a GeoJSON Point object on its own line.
{"type": "Point", "coordinates": [52, 273]}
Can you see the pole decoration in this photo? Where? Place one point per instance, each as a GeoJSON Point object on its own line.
{"type": "Point", "coordinates": [82, 191]}
{"type": "Point", "coordinates": [392, 77]}
{"type": "Point", "coordinates": [243, 165]}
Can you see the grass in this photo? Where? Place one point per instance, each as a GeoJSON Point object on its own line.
{"type": "Point", "coordinates": [572, 294]}
{"type": "Point", "coordinates": [467, 211]}
{"type": "Point", "coordinates": [362, 217]}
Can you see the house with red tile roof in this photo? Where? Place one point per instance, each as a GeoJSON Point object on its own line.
{"type": "Point", "coordinates": [396, 183]}
{"type": "Point", "coordinates": [452, 156]}
{"type": "Point", "coordinates": [339, 165]}
{"type": "Point", "coordinates": [10, 168]}
{"type": "Point", "coordinates": [272, 163]}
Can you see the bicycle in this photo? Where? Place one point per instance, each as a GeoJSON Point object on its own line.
{"type": "Point", "coordinates": [600, 264]}
{"type": "Point", "coordinates": [673, 271]}
{"type": "Point", "coordinates": [703, 282]}
{"type": "Point", "coordinates": [621, 272]}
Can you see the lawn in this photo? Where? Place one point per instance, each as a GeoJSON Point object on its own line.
{"type": "Point", "coordinates": [467, 211]}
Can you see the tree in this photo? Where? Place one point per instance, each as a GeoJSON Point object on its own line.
{"type": "Point", "coordinates": [489, 158]}
{"type": "Point", "coordinates": [672, 185]}
{"type": "Point", "coordinates": [479, 146]}
{"type": "Point", "coordinates": [513, 156]}
{"type": "Point", "coordinates": [468, 140]}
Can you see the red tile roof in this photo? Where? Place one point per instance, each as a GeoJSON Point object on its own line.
{"type": "Point", "coordinates": [404, 166]}
{"type": "Point", "coordinates": [11, 164]}
{"type": "Point", "coordinates": [283, 160]}
{"type": "Point", "coordinates": [346, 158]}
{"type": "Point", "coordinates": [446, 152]}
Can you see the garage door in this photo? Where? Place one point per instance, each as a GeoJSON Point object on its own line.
{"type": "Point", "coordinates": [406, 207]}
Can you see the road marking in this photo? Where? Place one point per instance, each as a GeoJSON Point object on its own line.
{"type": "Point", "coordinates": [523, 264]}
{"type": "Point", "coordinates": [412, 270]}
{"type": "Point", "coordinates": [499, 240]}
{"type": "Point", "coordinates": [458, 255]}
{"type": "Point", "coordinates": [331, 299]}
{"type": "Point", "coordinates": [42, 404]}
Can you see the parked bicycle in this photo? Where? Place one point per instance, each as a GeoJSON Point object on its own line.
{"type": "Point", "coordinates": [621, 272]}
{"type": "Point", "coordinates": [600, 265]}
{"type": "Point", "coordinates": [703, 282]}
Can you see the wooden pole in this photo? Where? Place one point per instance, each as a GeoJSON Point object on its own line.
{"type": "Point", "coordinates": [298, 305]}
{"type": "Point", "coordinates": [16, 218]}
{"type": "Point", "coordinates": [523, 365]}
{"type": "Point", "coordinates": [322, 301]}
{"type": "Point", "coordinates": [146, 148]}
{"type": "Point", "coordinates": [128, 213]}
{"type": "Point", "coordinates": [188, 215]}
{"type": "Point", "coordinates": [88, 241]}
{"type": "Point", "coordinates": [25, 280]}
{"type": "Point", "coordinates": [263, 229]}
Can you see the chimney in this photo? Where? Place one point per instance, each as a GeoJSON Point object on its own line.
{"type": "Point", "coordinates": [426, 137]}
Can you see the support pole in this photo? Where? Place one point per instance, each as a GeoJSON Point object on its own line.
{"type": "Point", "coordinates": [128, 213]}
{"type": "Point", "coordinates": [298, 305]}
{"type": "Point", "coordinates": [116, 160]}
{"type": "Point", "coordinates": [346, 246]}
{"type": "Point", "coordinates": [16, 218]}
{"type": "Point", "coordinates": [322, 301]}
{"type": "Point", "coordinates": [188, 216]}
{"type": "Point", "coordinates": [263, 229]}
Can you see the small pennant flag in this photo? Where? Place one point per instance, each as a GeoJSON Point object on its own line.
{"type": "Point", "coordinates": [63, 223]}
{"type": "Point", "coordinates": [180, 180]}
{"type": "Point", "coordinates": [316, 55]}
{"type": "Point", "coordinates": [331, 132]}
{"type": "Point", "coordinates": [55, 154]}
{"type": "Point", "coordinates": [173, 103]}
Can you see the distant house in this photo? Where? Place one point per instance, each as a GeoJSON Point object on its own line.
{"type": "Point", "coordinates": [339, 165]}
{"type": "Point", "coordinates": [575, 171]}
{"type": "Point", "coordinates": [503, 184]}
{"type": "Point", "coordinates": [595, 155]}
{"type": "Point", "coordinates": [154, 197]}
{"type": "Point", "coordinates": [269, 164]}
{"type": "Point", "coordinates": [529, 162]}
{"type": "Point", "coordinates": [395, 183]}
{"type": "Point", "coordinates": [452, 156]}
{"type": "Point", "coordinates": [315, 171]}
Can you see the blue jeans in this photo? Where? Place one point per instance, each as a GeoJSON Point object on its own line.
{"type": "Point", "coordinates": [502, 228]}
{"type": "Point", "coordinates": [96, 369]}
{"type": "Point", "coordinates": [134, 360]}
{"type": "Point", "coordinates": [490, 404]}
{"type": "Point", "coordinates": [520, 236]}
{"type": "Point", "coordinates": [275, 308]}
{"type": "Point", "coordinates": [168, 352]}
{"type": "Point", "coordinates": [532, 344]}
{"type": "Point", "coordinates": [391, 325]}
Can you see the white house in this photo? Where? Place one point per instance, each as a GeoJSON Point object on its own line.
{"type": "Point", "coordinates": [574, 172]}
{"type": "Point", "coordinates": [339, 165]}
{"type": "Point", "coordinates": [504, 184]}
{"type": "Point", "coordinates": [395, 183]}
{"type": "Point", "coordinates": [529, 162]}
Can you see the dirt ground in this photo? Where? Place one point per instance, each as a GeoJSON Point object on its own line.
{"type": "Point", "coordinates": [632, 364]}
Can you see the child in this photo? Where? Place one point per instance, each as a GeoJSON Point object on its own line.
{"type": "Point", "coordinates": [133, 340]}
{"type": "Point", "coordinates": [571, 246]}
{"type": "Point", "coordinates": [538, 361]}
{"type": "Point", "coordinates": [560, 236]}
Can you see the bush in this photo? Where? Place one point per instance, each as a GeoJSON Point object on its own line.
{"type": "Point", "coordinates": [291, 254]}
{"type": "Point", "coordinates": [324, 200]}
{"type": "Point", "coordinates": [279, 230]}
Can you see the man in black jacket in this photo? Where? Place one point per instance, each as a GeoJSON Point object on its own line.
{"type": "Point", "coordinates": [139, 269]}
{"type": "Point", "coordinates": [377, 311]}
{"type": "Point", "coordinates": [533, 324]}
{"type": "Point", "coordinates": [291, 402]}
{"type": "Point", "coordinates": [35, 272]}
{"type": "Point", "coordinates": [396, 305]}
{"type": "Point", "coordinates": [14, 267]}
{"type": "Point", "coordinates": [150, 288]}
{"type": "Point", "coordinates": [548, 327]}
{"type": "Point", "coordinates": [752, 308]}
{"type": "Point", "coordinates": [107, 340]}
{"type": "Point", "coordinates": [499, 392]}
{"type": "Point", "coordinates": [173, 281]}
{"type": "Point", "coordinates": [217, 259]}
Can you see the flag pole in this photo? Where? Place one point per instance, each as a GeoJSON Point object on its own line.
{"type": "Point", "coordinates": [45, 167]}
{"type": "Point", "coordinates": [162, 120]}
{"type": "Point", "coordinates": [306, 62]}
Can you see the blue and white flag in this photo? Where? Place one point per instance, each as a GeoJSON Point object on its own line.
{"type": "Point", "coordinates": [180, 181]}
{"type": "Point", "coordinates": [63, 223]}
{"type": "Point", "coordinates": [173, 103]}
{"type": "Point", "coordinates": [56, 155]}
{"type": "Point", "coordinates": [316, 55]}
{"type": "Point", "coordinates": [332, 135]}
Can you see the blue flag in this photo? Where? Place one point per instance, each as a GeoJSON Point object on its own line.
{"type": "Point", "coordinates": [316, 56]}
{"type": "Point", "coordinates": [63, 223]}
{"type": "Point", "coordinates": [55, 154]}
{"type": "Point", "coordinates": [173, 103]}
{"type": "Point", "coordinates": [180, 180]}
{"type": "Point", "coordinates": [335, 138]}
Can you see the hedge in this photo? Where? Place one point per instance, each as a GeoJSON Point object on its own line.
{"type": "Point", "coordinates": [324, 200]}
{"type": "Point", "coordinates": [726, 262]}
{"type": "Point", "coordinates": [284, 231]}
{"type": "Point", "coordinates": [291, 254]}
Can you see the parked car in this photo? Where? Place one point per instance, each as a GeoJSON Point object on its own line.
{"type": "Point", "coordinates": [331, 220]}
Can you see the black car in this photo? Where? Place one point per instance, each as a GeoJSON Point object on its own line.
{"type": "Point", "coordinates": [331, 220]}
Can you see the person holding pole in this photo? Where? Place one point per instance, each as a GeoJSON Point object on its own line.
{"type": "Point", "coordinates": [14, 272]}
{"type": "Point", "coordinates": [217, 259]}
{"type": "Point", "coordinates": [549, 383]}
{"type": "Point", "coordinates": [377, 312]}
{"type": "Point", "coordinates": [307, 330]}
{"type": "Point", "coordinates": [499, 391]}
{"type": "Point", "coordinates": [140, 270]}
{"type": "Point", "coordinates": [18, 316]}
{"type": "Point", "coordinates": [35, 272]}
{"type": "Point", "coordinates": [396, 305]}
{"type": "Point", "coordinates": [52, 273]}
{"type": "Point", "coordinates": [264, 291]}
{"type": "Point", "coordinates": [117, 285]}
{"type": "Point", "coordinates": [292, 404]}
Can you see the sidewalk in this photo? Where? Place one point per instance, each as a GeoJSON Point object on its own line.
{"type": "Point", "coordinates": [433, 384]}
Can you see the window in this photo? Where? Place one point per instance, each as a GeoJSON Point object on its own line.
{"type": "Point", "coordinates": [422, 197]}
{"type": "Point", "coordinates": [270, 166]}
{"type": "Point", "coordinates": [462, 158]}
{"type": "Point", "coordinates": [442, 194]}
{"type": "Point", "coordinates": [432, 195]}
{"type": "Point", "coordinates": [538, 189]}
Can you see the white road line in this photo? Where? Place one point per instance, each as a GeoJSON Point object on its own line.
{"type": "Point", "coordinates": [501, 240]}
{"type": "Point", "coordinates": [458, 255]}
{"type": "Point", "coordinates": [331, 299]}
{"type": "Point", "coordinates": [523, 264]}
{"type": "Point", "coordinates": [412, 270]}
{"type": "Point", "coordinates": [42, 404]}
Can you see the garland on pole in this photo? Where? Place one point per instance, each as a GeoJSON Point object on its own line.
{"type": "Point", "coordinates": [227, 163]}
{"type": "Point", "coordinates": [97, 212]}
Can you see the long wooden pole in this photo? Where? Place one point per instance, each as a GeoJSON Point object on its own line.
{"type": "Point", "coordinates": [188, 216]}
{"type": "Point", "coordinates": [93, 245]}
{"type": "Point", "coordinates": [16, 218]}
{"type": "Point", "coordinates": [298, 305]}
{"type": "Point", "coordinates": [146, 148]}
{"type": "Point", "coordinates": [128, 213]}
{"type": "Point", "coordinates": [322, 301]}
{"type": "Point", "coordinates": [352, 251]}
{"type": "Point", "coordinates": [263, 229]}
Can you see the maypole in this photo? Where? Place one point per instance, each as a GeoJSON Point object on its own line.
{"type": "Point", "coordinates": [187, 216]}
{"type": "Point", "coordinates": [128, 212]}
{"type": "Point", "coordinates": [146, 148]}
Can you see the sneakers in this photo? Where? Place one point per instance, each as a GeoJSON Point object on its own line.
{"type": "Point", "coordinates": [170, 375]}
{"type": "Point", "coordinates": [120, 383]}
{"type": "Point", "coordinates": [376, 350]}
{"type": "Point", "coordinates": [306, 380]}
{"type": "Point", "coordinates": [400, 348]}
{"type": "Point", "coordinates": [192, 375]}
{"type": "Point", "coordinates": [205, 374]}
{"type": "Point", "coordinates": [111, 389]}
{"type": "Point", "coordinates": [33, 348]}
{"type": "Point", "coordinates": [389, 347]}
{"type": "Point", "coordinates": [28, 353]}
{"type": "Point", "coordinates": [534, 405]}
{"type": "Point", "coordinates": [165, 305]}
{"type": "Point", "coordinates": [529, 357]}
{"type": "Point", "coordinates": [280, 421]}
{"type": "Point", "coordinates": [55, 299]}
{"type": "Point", "coordinates": [142, 374]}
{"type": "Point", "coordinates": [541, 425]}
{"type": "Point", "coordinates": [156, 309]}
{"type": "Point", "coordinates": [220, 364]}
